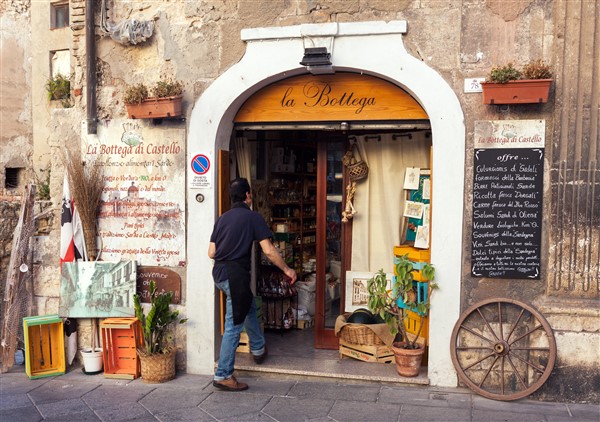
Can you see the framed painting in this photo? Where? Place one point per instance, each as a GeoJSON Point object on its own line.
{"type": "Point", "coordinates": [357, 295]}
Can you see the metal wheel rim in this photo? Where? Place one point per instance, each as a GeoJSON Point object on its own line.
{"type": "Point", "coordinates": [499, 349]}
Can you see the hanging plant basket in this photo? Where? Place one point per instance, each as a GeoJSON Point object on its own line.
{"type": "Point", "coordinates": [156, 108]}
{"type": "Point", "coordinates": [524, 91]}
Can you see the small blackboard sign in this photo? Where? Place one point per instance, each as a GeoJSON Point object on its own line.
{"type": "Point", "coordinates": [166, 281]}
{"type": "Point", "coordinates": [507, 212]}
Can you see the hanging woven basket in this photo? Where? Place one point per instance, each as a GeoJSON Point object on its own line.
{"type": "Point", "coordinates": [357, 168]}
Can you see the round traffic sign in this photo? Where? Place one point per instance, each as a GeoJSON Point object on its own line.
{"type": "Point", "coordinates": [200, 164]}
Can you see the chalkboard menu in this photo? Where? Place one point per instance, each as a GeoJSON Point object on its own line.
{"type": "Point", "coordinates": [507, 212]}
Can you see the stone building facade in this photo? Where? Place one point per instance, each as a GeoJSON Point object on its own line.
{"type": "Point", "coordinates": [208, 45]}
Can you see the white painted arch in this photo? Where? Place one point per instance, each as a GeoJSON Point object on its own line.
{"type": "Point", "coordinates": [375, 48]}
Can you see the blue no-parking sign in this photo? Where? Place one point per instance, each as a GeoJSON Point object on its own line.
{"type": "Point", "coordinates": [200, 166]}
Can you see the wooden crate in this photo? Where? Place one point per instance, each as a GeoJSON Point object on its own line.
{"type": "Point", "coordinates": [379, 353]}
{"type": "Point", "coordinates": [120, 338]}
{"type": "Point", "coordinates": [244, 344]}
{"type": "Point", "coordinates": [411, 322]}
{"type": "Point", "coordinates": [44, 346]}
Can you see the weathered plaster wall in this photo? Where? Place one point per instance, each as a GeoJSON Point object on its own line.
{"type": "Point", "coordinates": [15, 91]}
{"type": "Point", "coordinates": [197, 41]}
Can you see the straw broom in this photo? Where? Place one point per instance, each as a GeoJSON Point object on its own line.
{"type": "Point", "coordinates": [86, 183]}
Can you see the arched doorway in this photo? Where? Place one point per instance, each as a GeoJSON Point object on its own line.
{"type": "Point", "coordinates": [371, 48]}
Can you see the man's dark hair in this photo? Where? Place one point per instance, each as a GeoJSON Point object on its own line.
{"type": "Point", "coordinates": [238, 189]}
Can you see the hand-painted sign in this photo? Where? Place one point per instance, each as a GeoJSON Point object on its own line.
{"type": "Point", "coordinates": [166, 281]}
{"type": "Point", "coordinates": [507, 199]}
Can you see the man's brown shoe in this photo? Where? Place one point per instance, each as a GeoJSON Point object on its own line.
{"type": "Point", "coordinates": [230, 384]}
{"type": "Point", "coordinates": [261, 358]}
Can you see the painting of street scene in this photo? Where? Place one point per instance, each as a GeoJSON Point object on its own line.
{"type": "Point", "coordinates": [97, 289]}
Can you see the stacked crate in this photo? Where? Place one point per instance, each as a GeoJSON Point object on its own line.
{"type": "Point", "coordinates": [418, 257]}
{"type": "Point", "coordinates": [121, 337]}
{"type": "Point", "coordinates": [44, 346]}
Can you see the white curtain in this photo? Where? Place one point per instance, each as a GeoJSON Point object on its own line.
{"type": "Point", "coordinates": [379, 200]}
{"type": "Point", "coordinates": [243, 158]}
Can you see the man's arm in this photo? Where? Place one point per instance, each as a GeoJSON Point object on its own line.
{"type": "Point", "coordinates": [273, 254]}
{"type": "Point", "coordinates": [212, 248]}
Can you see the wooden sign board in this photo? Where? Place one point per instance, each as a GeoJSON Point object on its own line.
{"type": "Point", "coordinates": [166, 281]}
{"type": "Point", "coordinates": [342, 96]}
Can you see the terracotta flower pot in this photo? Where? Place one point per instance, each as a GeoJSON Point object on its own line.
{"type": "Point", "coordinates": [155, 108]}
{"type": "Point", "coordinates": [527, 91]}
{"type": "Point", "coordinates": [408, 361]}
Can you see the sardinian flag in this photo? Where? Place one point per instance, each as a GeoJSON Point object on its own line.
{"type": "Point", "coordinates": [71, 232]}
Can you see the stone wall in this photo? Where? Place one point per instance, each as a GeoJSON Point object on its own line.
{"type": "Point", "coordinates": [195, 42]}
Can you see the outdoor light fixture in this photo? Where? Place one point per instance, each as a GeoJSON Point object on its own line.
{"type": "Point", "coordinates": [317, 60]}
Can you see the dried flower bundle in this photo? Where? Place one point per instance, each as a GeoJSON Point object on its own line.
{"type": "Point", "coordinates": [86, 183]}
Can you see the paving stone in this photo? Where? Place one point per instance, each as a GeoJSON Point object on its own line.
{"type": "Point", "coordinates": [290, 409]}
{"type": "Point", "coordinates": [330, 391]}
{"type": "Point", "coordinates": [228, 404]}
{"type": "Point", "coordinates": [17, 383]}
{"type": "Point", "coordinates": [491, 416]}
{"type": "Point", "coordinates": [418, 397]}
{"type": "Point", "coordinates": [268, 386]}
{"type": "Point", "coordinates": [251, 417]}
{"type": "Point", "coordinates": [88, 416]}
{"type": "Point", "coordinates": [185, 414]}
{"type": "Point", "coordinates": [57, 390]}
{"type": "Point", "coordinates": [186, 381]}
{"type": "Point", "coordinates": [18, 414]}
{"type": "Point", "coordinates": [520, 406]}
{"type": "Point", "coordinates": [163, 400]}
{"type": "Point", "coordinates": [63, 407]}
{"type": "Point", "coordinates": [107, 395]}
{"type": "Point", "coordinates": [426, 413]}
{"type": "Point", "coordinates": [585, 410]}
{"type": "Point", "coordinates": [14, 401]}
{"type": "Point", "coordinates": [359, 411]}
{"type": "Point", "coordinates": [123, 412]}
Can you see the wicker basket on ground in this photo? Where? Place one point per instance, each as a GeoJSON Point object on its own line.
{"type": "Point", "coordinates": [359, 334]}
{"type": "Point", "coordinates": [157, 367]}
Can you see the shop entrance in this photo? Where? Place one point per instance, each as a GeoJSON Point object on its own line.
{"type": "Point", "coordinates": [297, 178]}
{"type": "Point", "coordinates": [299, 186]}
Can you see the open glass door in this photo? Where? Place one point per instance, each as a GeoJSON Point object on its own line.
{"type": "Point", "coordinates": [329, 251]}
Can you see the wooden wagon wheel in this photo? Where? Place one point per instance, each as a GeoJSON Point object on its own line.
{"type": "Point", "coordinates": [503, 349]}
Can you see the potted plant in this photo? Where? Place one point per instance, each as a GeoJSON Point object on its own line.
{"type": "Point", "coordinates": [162, 100]}
{"type": "Point", "coordinates": [59, 89]}
{"type": "Point", "coordinates": [157, 357]}
{"type": "Point", "coordinates": [509, 85]}
{"type": "Point", "coordinates": [392, 306]}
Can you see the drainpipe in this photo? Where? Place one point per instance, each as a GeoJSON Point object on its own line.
{"type": "Point", "coordinates": [90, 50]}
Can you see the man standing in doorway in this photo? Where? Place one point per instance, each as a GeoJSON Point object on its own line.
{"type": "Point", "coordinates": [231, 247]}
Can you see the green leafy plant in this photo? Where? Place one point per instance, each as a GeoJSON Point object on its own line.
{"type": "Point", "coordinates": [135, 94]}
{"type": "Point", "coordinates": [157, 323]}
{"type": "Point", "coordinates": [384, 302]}
{"type": "Point", "coordinates": [43, 184]}
{"type": "Point", "coordinates": [167, 88]}
{"type": "Point", "coordinates": [537, 70]}
{"type": "Point", "coordinates": [504, 74]}
{"type": "Point", "coordinates": [59, 88]}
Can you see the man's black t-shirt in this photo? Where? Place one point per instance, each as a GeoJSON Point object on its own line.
{"type": "Point", "coordinates": [233, 235]}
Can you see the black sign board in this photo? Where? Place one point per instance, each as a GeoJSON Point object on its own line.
{"type": "Point", "coordinates": [507, 212]}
